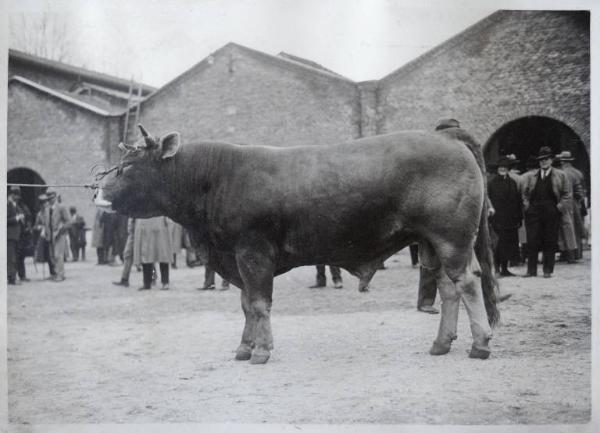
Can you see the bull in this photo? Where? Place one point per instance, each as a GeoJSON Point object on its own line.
{"type": "Point", "coordinates": [264, 210]}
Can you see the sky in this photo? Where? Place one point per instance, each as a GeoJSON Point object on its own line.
{"type": "Point", "coordinates": [155, 41]}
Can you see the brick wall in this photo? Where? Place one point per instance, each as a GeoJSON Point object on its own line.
{"type": "Point", "coordinates": [513, 64]}
{"type": "Point", "coordinates": [58, 141]}
{"type": "Point", "coordinates": [252, 98]}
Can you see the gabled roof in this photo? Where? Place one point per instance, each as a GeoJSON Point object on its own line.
{"type": "Point", "coordinates": [56, 94]}
{"type": "Point", "coordinates": [454, 41]}
{"type": "Point", "coordinates": [75, 72]}
{"type": "Point", "coordinates": [279, 61]}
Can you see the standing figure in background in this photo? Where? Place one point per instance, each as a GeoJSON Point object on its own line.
{"type": "Point", "coordinates": [152, 244]}
{"type": "Point", "coordinates": [43, 250]}
{"type": "Point", "coordinates": [176, 232]}
{"type": "Point", "coordinates": [25, 246]}
{"type": "Point", "coordinates": [546, 194]}
{"type": "Point", "coordinates": [127, 254]}
{"type": "Point", "coordinates": [505, 215]}
{"type": "Point", "coordinates": [77, 240]}
{"type": "Point", "coordinates": [13, 234]}
{"type": "Point", "coordinates": [336, 276]}
{"type": "Point", "coordinates": [98, 235]}
{"type": "Point", "coordinates": [567, 241]}
{"type": "Point", "coordinates": [60, 221]}
{"type": "Point", "coordinates": [579, 194]}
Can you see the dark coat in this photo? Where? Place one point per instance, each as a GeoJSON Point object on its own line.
{"type": "Point", "coordinates": [506, 200]}
{"type": "Point", "coordinates": [13, 226]}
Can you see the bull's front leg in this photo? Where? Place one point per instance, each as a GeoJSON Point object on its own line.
{"type": "Point", "coordinates": [255, 260]}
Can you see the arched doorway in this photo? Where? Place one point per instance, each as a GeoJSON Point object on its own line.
{"type": "Point", "coordinates": [523, 137]}
{"type": "Point", "coordinates": [29, 194]}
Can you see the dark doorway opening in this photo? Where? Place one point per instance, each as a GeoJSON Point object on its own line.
{"type": "Point", "coordinates": [523, 137]}
{"type": "Point", "coordinates": [29, 194]}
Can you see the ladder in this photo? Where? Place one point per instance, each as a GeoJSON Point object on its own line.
{"type": "Point", "coordinates": [130, 108]}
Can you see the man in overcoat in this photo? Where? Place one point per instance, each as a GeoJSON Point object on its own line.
{"type": "Point", "coordinates": [57, 222]}
{"type": "Point", "coordinates": [546, 195]}
{"type": "Point", "coordinates": [13, 234]}
{"type": "Point", "coordinates": [506, 215]}
{"type": "Point", "coordinates": [578, 184]}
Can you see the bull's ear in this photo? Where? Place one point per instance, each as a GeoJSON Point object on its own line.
{"type": "Point", "coordinates": [170, 144]}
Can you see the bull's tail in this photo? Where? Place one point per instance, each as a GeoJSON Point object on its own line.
{"type": "Point", "coordinates": [483, 250]}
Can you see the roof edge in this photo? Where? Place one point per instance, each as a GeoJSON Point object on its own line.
{"type": "Point", "coordinates": [62, 96]}
{"type": "Point", "coordinates": [66, 68]}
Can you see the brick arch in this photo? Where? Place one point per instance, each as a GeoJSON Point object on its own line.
{"type": "Point", "coordinates": [28, 176]}
{"type": "Point", "coordinates": [487, 128]}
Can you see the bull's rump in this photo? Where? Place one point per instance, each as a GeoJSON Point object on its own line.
{"type": "Point", "coordinates": [353, 201]}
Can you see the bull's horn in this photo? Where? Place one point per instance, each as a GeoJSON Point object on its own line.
{"type": "Point", "coordinates": [144, 132]}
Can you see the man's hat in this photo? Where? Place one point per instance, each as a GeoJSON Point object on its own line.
{"type": "Point", "coordinates": [50, 194]}
{"type": "Point", "coordinates": [565, 155]}
{"type": "Point", "coordinates": [447, 123]}
{"type": "Point", "coordinates": [42, 197]}
{"type": "Point", "coordinates": [14, 190]}
{"type": "Point", "coordinates": [504, 161]}
{"type": "Point", "coordinates": [543, 153]}
{"type": "Point", "coordinates": [513, 159]}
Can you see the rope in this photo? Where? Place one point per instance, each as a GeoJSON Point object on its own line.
{"type": "Point", "coordinates": [86, 185]}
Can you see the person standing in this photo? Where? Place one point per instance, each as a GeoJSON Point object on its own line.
{"type": "Point", "coordinates": [127, 254]}
{"type": "Point", "coordinates": [57, 226]}
{"type": "Point", "coordinates": [43, 249]}
{"type": "Point", "coordinates": [336, 276]}
{"type": "Point", "coordinates": [505, 215]}
{"type": "Point", "coordinates": [152, 244]}
{"type": "Point", "coordinates": [25, 245]}
{"type": "Point", "coordinates": [546, 194]}
{"type": "Point", "coordinates": [98, 235]}
{"type": "Point", "coordinates": [578, 202]}
{"type": "Point", "coordinates": [13, 233]}
{"type": "Point", "coordinates": [77, 240]}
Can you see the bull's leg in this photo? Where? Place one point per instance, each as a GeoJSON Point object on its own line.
{"type": "Point", "coordinates": [256, 267]}
{"type": "Point", "coordinates": [472, 297]}
{"type": "Point", "coordinates": [449, 297]}
{"type": "Point", "coordinates": [449, 314]}
{"type": "Point", "coordinates": [471, 293]}
{"type": "Point", "coordinates": [244, 350]}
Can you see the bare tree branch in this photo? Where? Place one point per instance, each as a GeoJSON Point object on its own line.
{"type": "Point", "coordinates": [45, 34]}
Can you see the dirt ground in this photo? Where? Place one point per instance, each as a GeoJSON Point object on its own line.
{"type": "Point", "coordinates": [86, 351]}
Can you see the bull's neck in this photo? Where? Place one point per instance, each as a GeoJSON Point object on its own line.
{"type": "Point", "coordinates": [191, 179]}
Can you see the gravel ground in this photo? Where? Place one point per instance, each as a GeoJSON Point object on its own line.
{"type": "Point", "coordinates": [86, 351]}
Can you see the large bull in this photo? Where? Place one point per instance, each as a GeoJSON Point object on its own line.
{"type": "Point", "coordinates": [265, 210]}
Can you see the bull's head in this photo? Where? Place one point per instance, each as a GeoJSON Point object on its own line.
{"type": "Point", "coordinates": [138, 186]}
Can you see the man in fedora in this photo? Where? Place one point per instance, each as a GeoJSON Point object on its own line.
{"type": "Point", "coordinates": [506, 215]}
{"type": "Point", "coordinates": [578, 203]}
{"type": "Point", "coordinates": [546, 195]}
{"type": "Point", "coordinates": [57, 226]}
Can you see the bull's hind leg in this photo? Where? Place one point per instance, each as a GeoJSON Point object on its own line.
{"type": "Point", "coordinates": [472, 296]}
{"type": "Point", "coordinates": [449, 296]}
{"type": "Point", "coordinates": [449, 317]}
{"type": "Point", "coordinates": [256, 267]}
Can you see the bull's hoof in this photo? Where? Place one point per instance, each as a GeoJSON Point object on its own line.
{"type": "Point", "coordinates": [243, 353]}
{"type": "Point", "coordinates": [479, 353]}
{"type": "Point", "coordinates": [439, 348]}
{"type": "Point", "coordinates": [259, 356]}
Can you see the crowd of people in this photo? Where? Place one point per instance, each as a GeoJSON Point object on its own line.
{"type": "Point", "coordinates": [541, 210]}
{"type": "Point", "coordinates": [54, 235]}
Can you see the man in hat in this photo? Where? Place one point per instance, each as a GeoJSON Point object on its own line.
{"type": "Point", "coordinates": [578, 203]}
{"type": "Point", "coordinates": [546, 195]}
{"type": "Point", "coordinates": [506, 215]}
{"type": "Point", "coordinates": [13, 233]}
{"type": "Point", "coordinates": [57, 225]}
